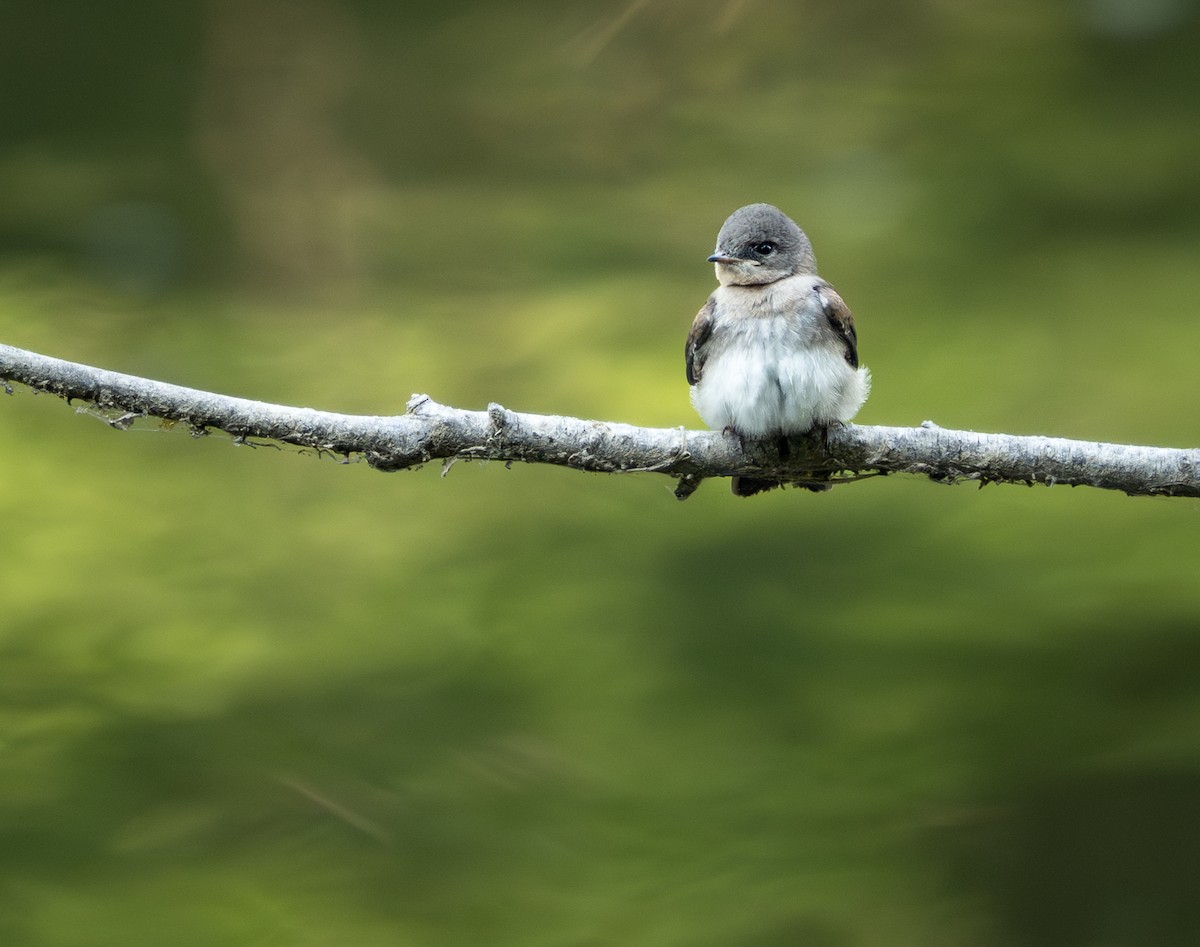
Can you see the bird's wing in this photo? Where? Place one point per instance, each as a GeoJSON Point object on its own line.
{"type": "Point", "coordinates": [840, 320]}
{"type": "Point", "coordinates": [696, 349]}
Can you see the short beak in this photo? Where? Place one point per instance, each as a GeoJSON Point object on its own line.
{"type": "Point", "coordinates": [721, 258]}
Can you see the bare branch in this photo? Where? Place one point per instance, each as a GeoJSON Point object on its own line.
{"type": "Point", "coordinates": [430, 431]}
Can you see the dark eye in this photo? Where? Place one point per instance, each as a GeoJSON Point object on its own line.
{"type": "Point", "coordinates": [766, 248]}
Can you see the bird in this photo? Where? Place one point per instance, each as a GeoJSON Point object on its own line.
{"type": "Point", "coordinates": [773, 352]}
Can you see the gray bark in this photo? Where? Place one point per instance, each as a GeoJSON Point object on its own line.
{"type": "Point", "coordinates": [429, 431]}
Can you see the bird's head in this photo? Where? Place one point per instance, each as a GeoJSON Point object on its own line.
{"type": "Point", "coordinates": [761, 244]}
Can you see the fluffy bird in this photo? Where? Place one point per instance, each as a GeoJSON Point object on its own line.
{"type": "Point", "coordinates": [773, 353]}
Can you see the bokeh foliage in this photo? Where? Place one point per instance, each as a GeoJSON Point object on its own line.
{"type": "Point", "coordinates": [251, 697]}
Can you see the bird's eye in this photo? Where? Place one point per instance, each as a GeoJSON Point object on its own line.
{"type": "Point", "coordinates": [766, 248]}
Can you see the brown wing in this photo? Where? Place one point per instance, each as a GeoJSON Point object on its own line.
{"type": "Point", "coordinates": [840, 320]}
{"type": "Point", "coordinates": [696, 349]}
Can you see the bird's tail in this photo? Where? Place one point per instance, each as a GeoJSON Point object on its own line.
{"type": "Point", "coordinates": [749, 486]}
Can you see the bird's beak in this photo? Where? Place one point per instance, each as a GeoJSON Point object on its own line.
{"type": "Point", "coordinates": [722, 258]}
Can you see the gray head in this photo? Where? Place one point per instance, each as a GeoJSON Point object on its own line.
{"type": "Point", "coordinates": [759, 243]}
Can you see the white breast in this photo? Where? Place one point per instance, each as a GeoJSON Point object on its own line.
{"type": "Point", "coordinates": [768, 375]}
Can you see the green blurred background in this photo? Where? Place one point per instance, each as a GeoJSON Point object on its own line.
{"type": "Point", "coordinates": [257, 697]}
